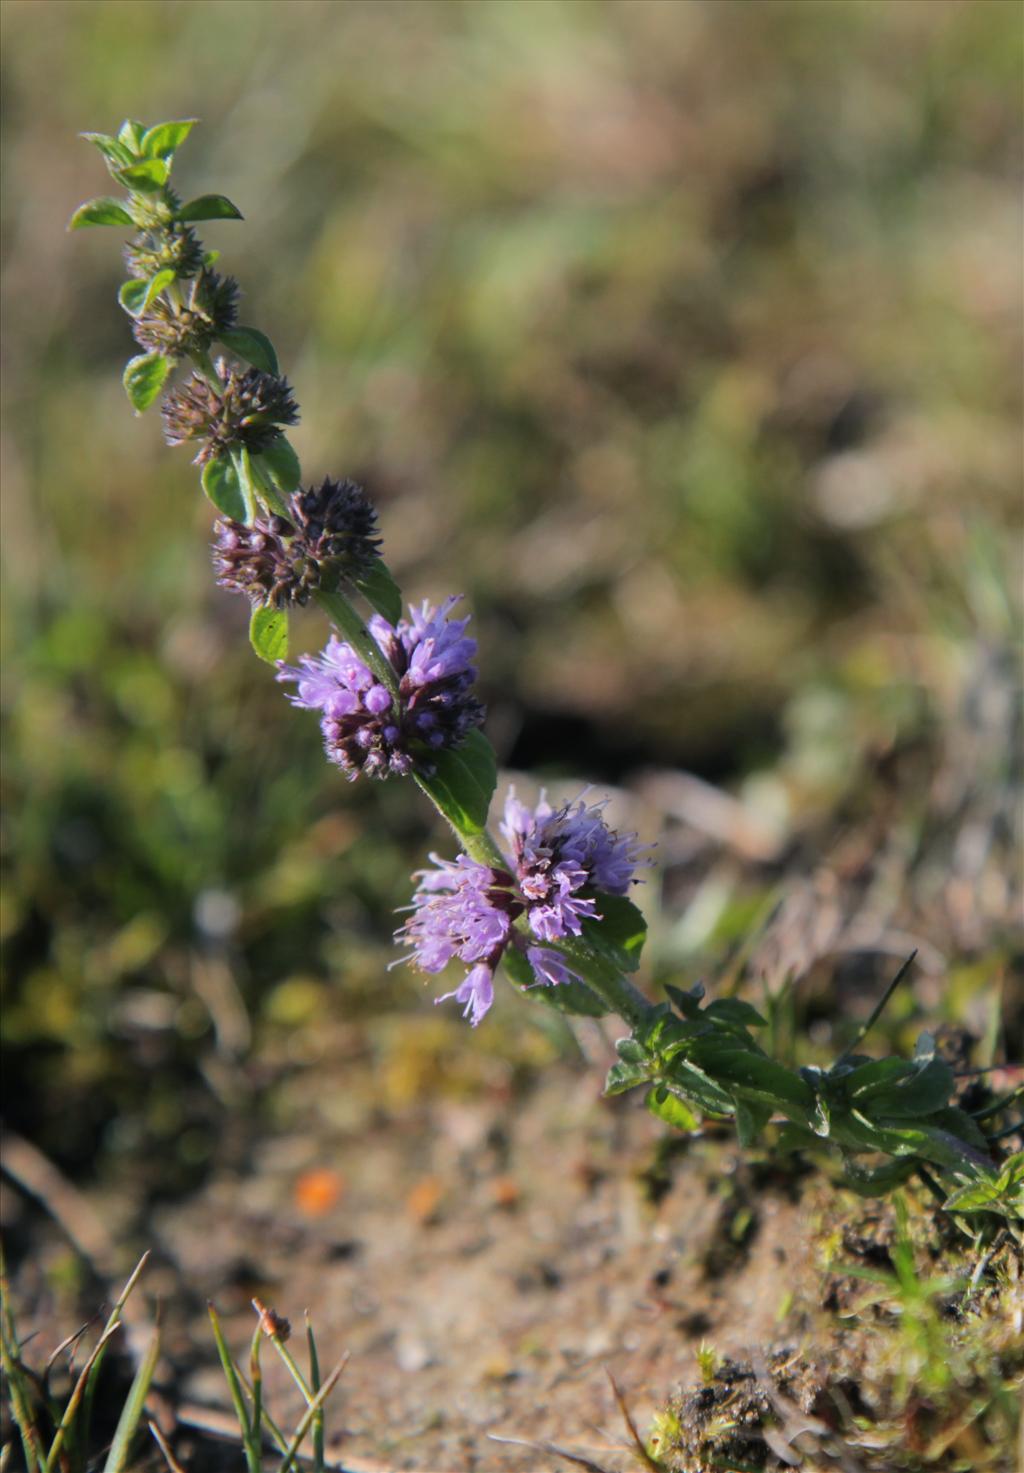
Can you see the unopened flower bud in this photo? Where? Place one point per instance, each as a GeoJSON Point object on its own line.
{"type": "Point", "coordinates": [209, 309]}
{"type": "Point", "coordinates": [249, 410]}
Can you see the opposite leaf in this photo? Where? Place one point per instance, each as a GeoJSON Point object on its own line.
{"type": "Point", "coordinates": [670, 1108]}
{"type": "Point", "coordinates": [620, 933]}
{"type": "Point", "coordinates": [99, 212]}
{"type": "Point", "coordinates": [162, 139]}
{"type": "Point", "coordinates": [463, 783]}
{"type": "Point", "coordinates": [116, 154]}
{"type": "Point", "coordinates": [143, 379]}
{"type": "Point", "coordinates": [254, 346]}
{"type": "Point", "coordinates": [210, 207]}
{"type": "Point", "coordinates": [130, 135]}
{"type": "Point", "coordinates": [567, 997]}
{"type": "Point", "coordinates": [380, 590]}
{"type": "Point", "coordinates": [280, 464]}
{"type": "Point", "coordinates": [135, 296]}
{"type": "Point", "coordinates": [222, 486]}
{"type": "Point", "coordinates": [148, 175]}
{"type": "Point", "coordinates": [268, 634]}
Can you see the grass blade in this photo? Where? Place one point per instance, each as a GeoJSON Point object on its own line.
{"type": "Point", "coordinates": [314, 1381]}
{"type": "Point", "coordinates": [113, 1320]}
{"type": "Point", "coordinates": [253, 1449]}
{"type": "Point", "coordinates": [309, 1414]}
{"type": "Point", "coordinates": [131, 1412]}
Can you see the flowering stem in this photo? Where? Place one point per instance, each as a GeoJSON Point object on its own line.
{"type": "Point", "coordinates": [619, 994]}
{"type": "Point", "coordinates": [202, 360]}
{"type": "Point", "coordinates": [338, 609]}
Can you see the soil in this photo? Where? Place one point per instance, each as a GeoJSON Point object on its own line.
{"type": "Point", "coordinates": [488, 1269]}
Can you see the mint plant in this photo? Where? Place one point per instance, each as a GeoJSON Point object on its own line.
{"type": "Point", "coordinates": [550, 906]}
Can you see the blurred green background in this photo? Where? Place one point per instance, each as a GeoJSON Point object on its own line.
{"type": "Point", "coordinates": [684, 338]}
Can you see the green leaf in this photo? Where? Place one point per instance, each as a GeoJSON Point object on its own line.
{"type": "Point", "coordinates": [268, 634]}
{"type": "Point", "coordinates": [623, 1076]}
{"type": "Point", "coordinates": [131, 1412]}
{"type": "Point", "coordinates": [135, 296]}
{"type": "Point", "coordinates": [209, 207]}
{"type": "Point", "coordinates": [144, 377]}
{"type": "Point", "coordinates": [862, 1082]}
{"type": "Point", "coordinates": [754, 1077]}
{"type": "Point", "coordinates": [223, 487]}
{"type": "Point", "coordinates": [104, 211]}
{"type": "Point", "coordinates": [148, 176]}
{"type": "Point", "coordinates": [751, 1119]}
{"type": "Point", "coordinates": [631, 1051]}
{"type": "Point", "coordinates": [130, 135]}
{"type": "Point", "coordinates": [993, 1193]}
{"type": "Point", "coordinates": [620, 934]}
{"type": "Point", "coordinates": [114, 152]}
{"type": "Point", "coordinates": [692, 1081]}
{"type": "Point", "coordinates": [687, 1003]}
{"type": "Point", "coordinates": [931, 1142]}
{"type": "Point", "coordinates": [281, 465]}
{"type": "Point", "coordinates": [254, 346]}
{"type": "Point", "coordinates": [380, 590]}
{"type": "Point", "coordinates": [669, 1107]}
{"type": "Point", "coordinates": [568, 997]}
{"type": "Point", "coordinates": [463, 783]}
{"type": "Point", "coordinates": [161, 141]}
{"type": "Point", "coordinates": [919, 1093]}
{"type": "Point", "coordinates": [735, 1010]}
{"type": "Point", "coordinates": [876, 1181]}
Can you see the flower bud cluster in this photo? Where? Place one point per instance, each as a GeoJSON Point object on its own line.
{"type": "Point", "coordinates": [249, 409]}
{"type": "Point", "coordinates": [279, 561]}
{"type": "Point", "coordinates": [209, 309]}
{"type": "Point", "coordinates": [174, 247]}
{"type": "Point", "coordinates": [391, 729]}
{"type": "Point", "coordinates": [465, 911]}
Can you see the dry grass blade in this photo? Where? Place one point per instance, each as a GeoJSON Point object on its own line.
{"type": "Point", "coordinates": [165, 1448]}
{"type": "Point", "coordinates": [113, 1321]}
{"type": "Point", "coordinates": [551, 1450]}
{"type": "Point", "coordinates": [627, 1416]}
{"type": "Point", "coordinates": [85, 1381]}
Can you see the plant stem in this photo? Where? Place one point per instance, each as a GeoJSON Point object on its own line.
{"type": "Point", "coordinates": [338, 609]}
{"type": "Point", "coordinates": [877, 1011]}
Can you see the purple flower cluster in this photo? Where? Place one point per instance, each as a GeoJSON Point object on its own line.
{"type": "Point", "coordinates": [465, 911]}
{"type": "Point", "coordinates": [367, 726]}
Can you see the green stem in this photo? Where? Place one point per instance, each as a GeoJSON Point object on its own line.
{"type": "Point", "coordinates": [202, 360]}
{"type": "Point", "coordinates": [267, 490]}
{"type": "Point", "coordinates": [877, 1011]}
{"type": "Point", "coordinates": [620, 995]}
{"type": "Point", "coordinates": [338, 609]}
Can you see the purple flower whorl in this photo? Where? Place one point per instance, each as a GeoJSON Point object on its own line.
{"type": "Point", "coordinates": [464, 910]}
{"type": "Point", "coordinates": [366, 728]}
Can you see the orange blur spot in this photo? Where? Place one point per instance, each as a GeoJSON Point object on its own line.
{"type": "Point", "coordinates": [424, 1200]}
{"type": "Point", "coordinates": [318, 1190]}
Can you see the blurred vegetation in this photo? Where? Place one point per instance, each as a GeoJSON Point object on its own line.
{"type": "Point", "coordinates": [682, 337]}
